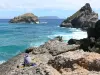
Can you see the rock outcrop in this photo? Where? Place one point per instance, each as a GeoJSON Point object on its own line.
{"type": "Point", "coordinates": [84, 18]}
{"type": "Point", "coordinates": [92, 42]}
{"type": "Point", "coordinates": [94, 32]}
{"type": "Point", "coordinates": [54, 58]}
{"type": "Point", "coordinates": [77, 63]}
{"type": "Point", "coordinates": [25, 18]}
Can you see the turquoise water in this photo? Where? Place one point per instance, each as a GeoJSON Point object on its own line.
{"type": "Point", "coordinates": [15, 38]}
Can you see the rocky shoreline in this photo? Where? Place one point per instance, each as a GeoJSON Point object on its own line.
{"type": "Point", "coordinates": [54, 58]}
{"type": "Point", "coordinates": [92, 42]}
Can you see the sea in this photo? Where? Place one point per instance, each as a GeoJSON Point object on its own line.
{"type": "Point", "coordinates": [15, 38]}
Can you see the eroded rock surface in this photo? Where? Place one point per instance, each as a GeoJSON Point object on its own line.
{"type": "Point", "coordinates": [83, 18]}
{"type": "Point", "coordinates": [77, 63]}
{"type": "Point", "coordinates": [54, 58]}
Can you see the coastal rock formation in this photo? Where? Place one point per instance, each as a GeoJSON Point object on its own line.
{"type": "Point", "coordinates": [25, 18]}
{"type": "Point", "coordinates": [94, 32]}
{"type": "Point", "coordinates": [83, 18]}
{"type": "Point", "coordinates": [77, 63]}
{"type": "Point", "coordinates": [92, 42]}
{"type": "Point", "coordinates": [54, 47]}
{"type": "Point", "coordinates": [54, 58]}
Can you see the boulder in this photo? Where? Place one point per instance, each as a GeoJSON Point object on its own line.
{"type": "Point", "coordinates": [94, 32]}
{"type": "Point", "coordinates": [86, 44]}
{"type": "Point", "coordinates": [83, 18]}
{"type": "Point", "coordinates": [73, 41]}
{"type": "Point", "coordinates": [25, 18]}
{"type": "Point", "coordinates": [77, 63]}
{"type": "Point", "coordinates": [56, 47]}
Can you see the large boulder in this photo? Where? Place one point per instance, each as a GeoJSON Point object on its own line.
{"type": "Point", "coordinates": [25, 18]}
{"type": "Point", "coordinates": [94, 32]}
{"type": "Point", "coordinates": [83, 18]}
{"type": "Point", "coordinates": [56, 47]}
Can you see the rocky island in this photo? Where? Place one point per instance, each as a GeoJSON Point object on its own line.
{"type": "Point", "coordinates": [25, 18]}
{"type": "Point", "coordinates": [83, 18]}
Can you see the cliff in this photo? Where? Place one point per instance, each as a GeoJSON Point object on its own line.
{"type": "Point", "coordinates": [54, 58]}
{"type": "Point", "coordinates": [83, 18]}
{"type": "Point", "coordinates": [25, 18]}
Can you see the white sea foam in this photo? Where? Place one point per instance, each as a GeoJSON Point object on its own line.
{"type": "Point", "coordinates": [79, 35]}
{"type": "Point", "coordinates": [36, 44]}
{"type": "Point", "coordinates": [2, 61]}
{"type": "Point", "coordinates": [76, 34]}
{"type": "Point", "coordinates": [58, 26]}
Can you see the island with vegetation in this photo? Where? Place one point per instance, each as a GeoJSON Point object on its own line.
{"type": "Point", "coordinates": [25, 18]}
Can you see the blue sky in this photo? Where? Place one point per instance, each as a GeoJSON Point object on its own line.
{"type": "Point", "coordinates": [60, 8]}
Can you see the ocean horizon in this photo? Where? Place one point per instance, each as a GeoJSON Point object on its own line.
{"type": "Point", "coordinates": [15, 38]}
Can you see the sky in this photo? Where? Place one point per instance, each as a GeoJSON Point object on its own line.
{"type": "Point", "coordinates": [60, 8]}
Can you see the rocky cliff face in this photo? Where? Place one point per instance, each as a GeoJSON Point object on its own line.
{"type": "Point", "coordinates": [25, 18]}
{"type": "Point", "coordinates": [83, 18]}
{"type": "Point", "coordinates": [92, 42]}
{"type": "Point", "coordinates": [54, 58]}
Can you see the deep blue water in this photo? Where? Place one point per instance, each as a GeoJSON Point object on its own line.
{"type": "Point", "coordinates": [15, 38]}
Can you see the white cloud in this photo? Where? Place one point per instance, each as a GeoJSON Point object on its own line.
{"type": "Point", "coordinates": [47, 4]}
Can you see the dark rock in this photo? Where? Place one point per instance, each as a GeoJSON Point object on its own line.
{"type": "Point", "coordinates": [91, 32]}
{"type": "Point", "coordinates": [26, 18]}
{"type": "Point", "coordinates": [73, 41]}
{"type": "Point", "coordinates": [97, 26]}
{"type": "Point", "coordinates": [94, 32]}
{"type": "Point", "coordinates": [28, 50]}
{"type": "Point", "coordinates": [92, 43]}
{"type": "Point", "coordinates": [84, 18]}
{"type": "Point", "coordinates": [86, 44]}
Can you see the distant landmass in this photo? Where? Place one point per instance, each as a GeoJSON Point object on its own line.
{"type": "Point", "coordinates": [49, 17]}
{"type": "Point", "coordinates": [25, 18]}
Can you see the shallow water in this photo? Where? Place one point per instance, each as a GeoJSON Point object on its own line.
{"type": "Point", "coordinates": [15, 38]}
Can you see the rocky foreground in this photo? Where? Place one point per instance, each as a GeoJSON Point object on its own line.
{"type": "Point", "coordinates": [84, 18]}
{"type": "Point", "coordinates": [54, 58]}
{"type": "Point", "coordinates": [25, 18]}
